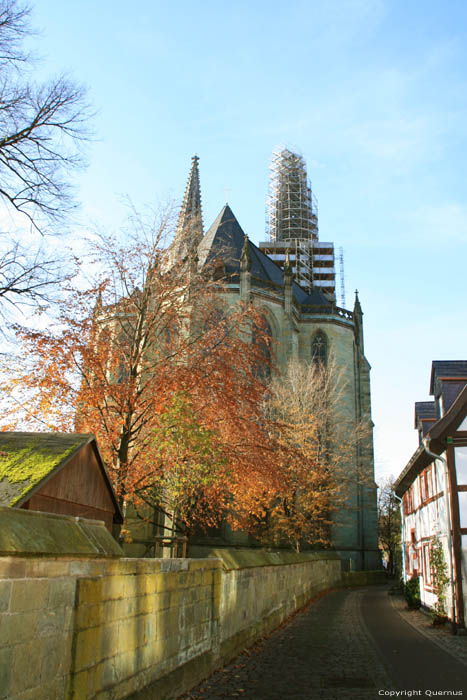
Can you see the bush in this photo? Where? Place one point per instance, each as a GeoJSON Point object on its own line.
{"type": "Point", "coordinates": [440, 580]}
{"type": "Point", "coordinates": [412, 593]}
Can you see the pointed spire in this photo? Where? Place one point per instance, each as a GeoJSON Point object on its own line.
{"type": "Point", "coordinates": [357, 306]}
{"type": "Point", "coordinates": [191, 207]}
{"type": "Point", "coordinates": [358, 317]}
{"type": "Point", "coordinates": [245, 258]}
{"type": "Point", "coordinates": [189, 231]}
{"type": "Point", "coordinates": [287, 266]}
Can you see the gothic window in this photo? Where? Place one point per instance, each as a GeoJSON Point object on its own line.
{"type": "Point", "coordinates": [319, 348]}
{"type": "Point", "coordinates": [262, 337]}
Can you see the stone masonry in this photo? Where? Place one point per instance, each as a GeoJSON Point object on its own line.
{"type": "Point", "coordinates": [84, 626]}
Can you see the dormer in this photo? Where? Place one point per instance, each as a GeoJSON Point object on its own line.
{"type": "Point", "coordinates": [424, 417]}
{"type": "Point", "coordinates": [448, 378]}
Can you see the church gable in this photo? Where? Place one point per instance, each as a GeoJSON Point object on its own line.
{"type": "Point", "coordinates": [224, 242]}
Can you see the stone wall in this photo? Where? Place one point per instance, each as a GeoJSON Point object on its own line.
{"type": "Point", "coordinates": [259, 590]}
{"type": "Point", "coordinates": [109, 628]}
{"type": "Point", "coordinates": [37, 600]}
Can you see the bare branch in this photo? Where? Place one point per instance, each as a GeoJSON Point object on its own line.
{"type": "Point", "coordinates": [43, 129]}
{"type": "Point", "coordinates": [14, 27]}
{"type": "Point", "coordinates": [28, 278]}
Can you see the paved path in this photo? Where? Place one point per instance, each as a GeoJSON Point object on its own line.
{"type": "Point", "coordinates": [349, 644]}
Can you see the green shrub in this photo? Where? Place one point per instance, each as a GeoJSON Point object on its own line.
{"type": "Point", "coordinates": [412, 593]}
{"type": "Point", "coordinates": [439, 570]}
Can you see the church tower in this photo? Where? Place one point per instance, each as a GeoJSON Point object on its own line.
{"type": "Point", "coordinates": [293, 225]}
{"type": "Point", "coordinates": [291, 280]}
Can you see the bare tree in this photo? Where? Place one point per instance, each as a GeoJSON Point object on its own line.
{"type": "Point", "coordinates": [389, 526]}
{"type": "Point", "coordinates": [318, 440]}
{"type": "Point", "coordinates": [42, 131]}
{"type": "Point", "coordinates": [14, 26]}
{"type": "Point", "coordinates": [303, 403]}
{"type": "Point", "coordinates": [41, 128]}
{"type": "Point", "coordinates": [26, 278]}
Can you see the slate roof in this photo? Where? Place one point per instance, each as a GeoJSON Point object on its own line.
{"type": "Point", "coordinates": [424, 410]}
{"type": "Point", "coordinates": [452, 418]}
{"type": "Point", "coordinates": [29, 459]}
{"type": "Point", "coordinates": [447, 368]}
{"type": "Point", "coordinates": [438, 434]}
{"type": "Point", "coordinates": [224, 240]}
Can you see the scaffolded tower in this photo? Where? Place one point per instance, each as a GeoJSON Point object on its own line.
{"type": "Point", "coordinates": [292, 211]}
{"type": "Point", "coordinates": [293, 224]}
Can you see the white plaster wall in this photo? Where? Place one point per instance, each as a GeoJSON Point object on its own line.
{"type": "Point", "coordinates": [463, 508]}
{"type": "Point", "coordinates": [440, 471]}
{"type": "Point", "coordinates": [464, 566]}
{"type": "Point", "coordinates": [428, 521]}
{"type": "Point", "coordinates": [461, 465]}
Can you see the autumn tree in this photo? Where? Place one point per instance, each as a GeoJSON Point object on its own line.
{"type": "Point", "coordinates": [150, 361]}
{"type": "Point", "coordinates": [42, 130]}
{"type": "Point", "coordinates": [389, 526]}
{"type": "Point", "coordinates": [299, 404]}
{"type": "Point", "coordinates": [189, 468]}
{"type": "Point", "coordinates": [316, 442]}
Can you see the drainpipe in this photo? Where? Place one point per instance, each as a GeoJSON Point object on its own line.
{"type": "Point", "coordinates": [425, 443]}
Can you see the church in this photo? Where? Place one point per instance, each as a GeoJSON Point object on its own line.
{"type": "Point", "coordinates": [291, 278]}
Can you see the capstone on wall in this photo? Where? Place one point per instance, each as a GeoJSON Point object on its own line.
{"type": "Point", "coordinates": [106, 628]}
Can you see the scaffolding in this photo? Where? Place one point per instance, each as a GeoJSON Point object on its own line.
{"type": "Point", "coordinates": [292, 209]}
{"type": "Point", "coordinates": [341, 271]}
{"type": "Point", "coordinates": [303, 262]}
{"type": "Point", "coordinates": [292, 225]}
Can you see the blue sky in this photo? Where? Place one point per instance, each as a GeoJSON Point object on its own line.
{"type": "Point", "coordinates": [373, 94]}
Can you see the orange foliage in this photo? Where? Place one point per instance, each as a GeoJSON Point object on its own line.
{"type": "Point", "coordinates": [150, 343]}
{"type": "Point", "coordinates": [302, 406]}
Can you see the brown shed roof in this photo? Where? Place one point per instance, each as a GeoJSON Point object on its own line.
{"type": "Point", "coordinates": [28, 460]}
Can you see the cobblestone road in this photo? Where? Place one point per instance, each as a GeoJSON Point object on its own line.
{"type": "Point", "coordinates": [327, 652]}
{"type": "Point", "coordinates": [323, 652]}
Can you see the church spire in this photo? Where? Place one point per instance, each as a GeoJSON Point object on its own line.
{"type": "Point", "coordinates": [189, 231]}
{"type": "Point", "coordinates": [358, 319]}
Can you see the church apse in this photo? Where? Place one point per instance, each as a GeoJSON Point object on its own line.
{"type": "Point", "coordinates": [292, 278]}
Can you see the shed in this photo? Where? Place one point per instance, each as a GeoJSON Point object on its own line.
{"type": "Point", "coordinates": [56, 473]}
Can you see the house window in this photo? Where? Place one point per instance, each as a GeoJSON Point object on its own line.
{"type": "Point", "coordinates": [414, 554]}
{"type": "Point", "coordinates": [408, 501]}
{"type": "Point", "coordinates": [421, 480]}
{"type": "Point", "coordinates": [426, 485]}
{"type": "Point", "coordinates": [408, 568]}
{"type": "Point", "coordinates": [427, 564]}
{"type": "Point", "coordinates": [319, 348]}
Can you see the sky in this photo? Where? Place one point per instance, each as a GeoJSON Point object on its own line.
{"type": "Point", "coordinates": [373, 94]}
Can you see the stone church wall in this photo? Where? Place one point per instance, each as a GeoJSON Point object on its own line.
{"type": "Point", "coordinates": [107, 628]}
